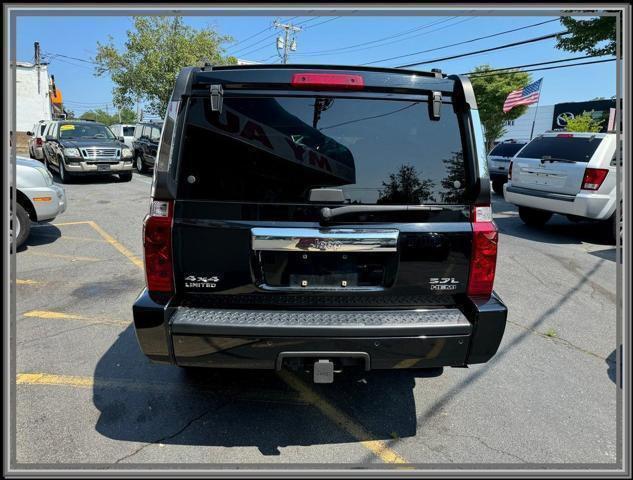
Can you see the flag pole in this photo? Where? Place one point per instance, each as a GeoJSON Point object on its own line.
{"type": "Point", "coordinates": [536, 109]}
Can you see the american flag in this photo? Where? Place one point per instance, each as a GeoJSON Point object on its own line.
{"type": "Point", "coordinates": [523, 96]}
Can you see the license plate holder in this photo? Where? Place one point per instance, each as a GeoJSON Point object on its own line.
{"type": "Point", "coordinates": [103, 167]}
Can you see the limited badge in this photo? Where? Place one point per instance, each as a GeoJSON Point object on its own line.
{"type": "Point", "coordinates": [201, 281]}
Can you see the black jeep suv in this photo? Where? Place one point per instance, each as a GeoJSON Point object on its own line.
{"type": "Point", "coordinates": [321, 217]}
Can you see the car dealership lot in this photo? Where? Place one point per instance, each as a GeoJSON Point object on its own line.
{"type": "Point", "coordinates": [86, 394]}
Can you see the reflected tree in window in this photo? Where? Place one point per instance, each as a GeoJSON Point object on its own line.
{"type": "Point", "coordinates": [455, 180]}
{"type": "Point", "coordinates": [406, 188]}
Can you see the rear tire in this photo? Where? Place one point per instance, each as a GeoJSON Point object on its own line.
{"type": "Point", "coordinates": [497, 186]}
{"type": "Point", "coordinates": [22, 226]}
{"type": "Point", "coordinates": [140, 164]}
{"type": "Point", "coordinates": [125, 176]}
{"type": "Point", "coordinates": [534, 217]}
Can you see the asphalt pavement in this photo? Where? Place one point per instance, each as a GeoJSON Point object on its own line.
{"type": "Point", "coordinates": [85, 394]}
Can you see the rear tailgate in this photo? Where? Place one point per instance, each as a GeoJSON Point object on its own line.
{"type": "Point", "coordinates": [253, 180]}
{"type": "Point", "coordinates": [555, 163]}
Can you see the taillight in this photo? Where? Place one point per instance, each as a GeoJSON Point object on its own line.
{"type": "Point", "coordinates": [157, 247]}
{"type": "Point", "coordinates": [39, 142]}
{"type": "Point", "coordinates": [510, 170]}
{"type": "Point", "coordinates": [333, 81]}
{"type": "Point", "coordinates": [593, 178]}
{"type": "Point", "coordinates": [483, 260]}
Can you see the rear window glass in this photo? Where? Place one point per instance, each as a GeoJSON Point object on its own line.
{"type": "Point", "coordinates": [276, 150]}
{"type": "Point", "coordinates": [578, 149]}
{"type": "Point", "coordinates": [507, 149]}
{"type": "Point", "coordinates": [128, 131]}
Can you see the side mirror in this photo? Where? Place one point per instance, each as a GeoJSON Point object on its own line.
{"type": "Point", "coordinates": [30, 134]}
{"type": "Point", "coordinates": [122, 139]}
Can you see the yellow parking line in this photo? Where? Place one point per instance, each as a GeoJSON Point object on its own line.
{"type": "Point", "coordinates": [76, 381]}
{"type": "Point", "coordinates": [82, 222]}
{"type": "Point", "coordinates": [19, 281]}
{"type": "Point", "coordinates": [377, 447]}
{"type": "Point", "coordinates": [115, 243]}
{"type": "Point", "coordinates": [69, 316]}
{"type": "Point", "coordinates": [47, 379]}
{"type": "Point", "coordinates": [72, 258]}
{"type": "Point", "coordinates": [70, 237]}
{"type": "Point", "coordinates": [108, 239]}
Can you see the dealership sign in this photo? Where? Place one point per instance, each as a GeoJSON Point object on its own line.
{"type": "Point", "coordinates": [601, 111]}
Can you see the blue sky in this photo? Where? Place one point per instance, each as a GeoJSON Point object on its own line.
{"type": "Point", "coordinates": [78, 36]}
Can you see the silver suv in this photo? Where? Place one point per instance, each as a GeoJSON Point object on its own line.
{"type": "Point", "coordinates": [499, 161]}
{"type": "Point", "coordinates": [573, 174]}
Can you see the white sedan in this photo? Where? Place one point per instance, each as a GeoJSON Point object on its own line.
{"type": "Point", "coordinates": [38, 198]}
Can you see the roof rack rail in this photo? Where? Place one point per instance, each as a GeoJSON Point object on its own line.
{"type": "Point", "coordinates": [295, 66]}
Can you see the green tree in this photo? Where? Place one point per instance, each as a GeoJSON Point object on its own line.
{"type": "Point", "coordinates": [491, 91]}
{"type": "Point", "coordinates": [97, 115]}
{"type": "Point", "coordinates": [594, 36]}
{"type": "Point", "coordinates": [127, 115]}
{"type": "Point", "coordinates": [157, 48]}
{"type": "Point", "coordinates": [583, 123]}
{"type": "Point", "coordinates": [405, 187]}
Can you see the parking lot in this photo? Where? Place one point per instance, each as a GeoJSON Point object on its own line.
{"type": "Point", "coordinates": [86, 394]}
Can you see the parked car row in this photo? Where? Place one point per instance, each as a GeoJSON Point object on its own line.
{"type": "Point", "coordinates": [572, 174]}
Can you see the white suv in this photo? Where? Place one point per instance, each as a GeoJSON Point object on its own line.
{"type": "Point", "coordinates": [573, 174]}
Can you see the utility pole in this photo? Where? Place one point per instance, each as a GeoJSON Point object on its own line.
{"type": "Point", "coordinates": [38, 60]}
{"type": "Point", "coordinates": [138, 108]}
{"type": "Point", "coordinates": [282, 42]}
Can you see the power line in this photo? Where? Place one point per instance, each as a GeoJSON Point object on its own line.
{"type": "Point", "coordinates": [70, 58]}
{"type": "Point", "coordinates": [384, 40]}
{"type": "Point", "coordinates": [500, 47]}
{"type": "Point", "coordinates": [546, 68]}
{"type": "Point", "coordinates": [460, 43]}
{"type": "Point", "coordinates": [320, 23]}
{"type": "Point", "coordinates": [483, 72]}
{"type": "Point", "coordinates": [388, 37]}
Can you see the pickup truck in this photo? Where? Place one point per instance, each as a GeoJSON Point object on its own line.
{"type": "Point", "coordinates": [320, 218]}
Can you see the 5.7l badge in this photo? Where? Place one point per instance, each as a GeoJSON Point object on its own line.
{"type": "Point", "coordinates": [443, 283]}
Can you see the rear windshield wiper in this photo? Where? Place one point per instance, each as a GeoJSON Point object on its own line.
{"type": "Point", "coordinates": [547, 158]}
{"type": "Point", "coordinates": [329, 213]}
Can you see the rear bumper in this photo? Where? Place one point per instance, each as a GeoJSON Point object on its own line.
{"type": "Point", "coordinates": [256, 339]}
{"type": "Point", "coordinates": [596, 206]}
